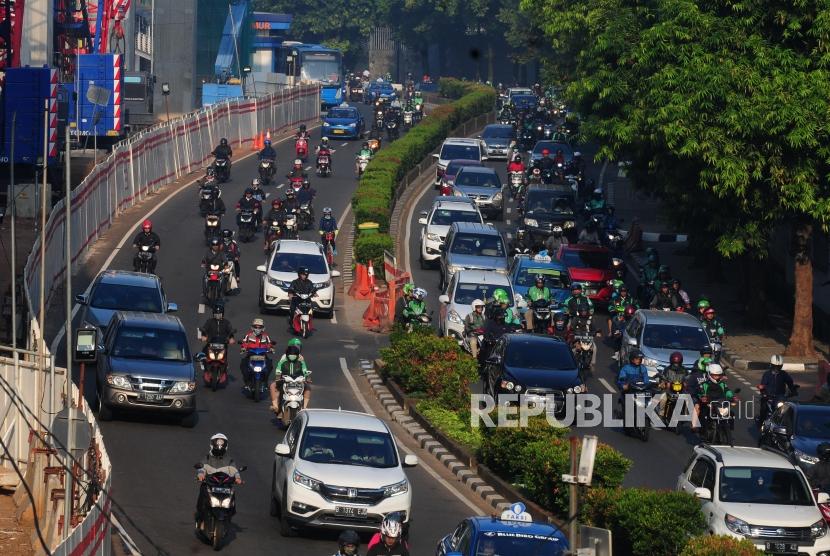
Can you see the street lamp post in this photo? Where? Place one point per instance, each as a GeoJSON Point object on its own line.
{"type": "Point", "coordinates": [246, 71]}
{"type": "Point", "coordinates": [165, 92]}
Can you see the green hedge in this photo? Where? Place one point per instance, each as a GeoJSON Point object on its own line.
{"type": "Point", "coordinates": [720, 545]}
{"type": "Point", "coordinates": [370, 247]}
{"type": "Point", "coordinates": [644, 521]}
{"type": "Point", "coordinates": [449, 87]}
{"type": "Point", "coordinates": [498, 445]}
{"type": "Point", "coordinates": [455, 424]}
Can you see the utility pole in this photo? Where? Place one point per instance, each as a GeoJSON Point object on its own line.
{"type": "Point", "coordinates": [42, 297]}
{"type": "Point", "coordinates": [69, 483]}
{"type": "Point", "coordinates": [573, 493]}
{"type": "Point", "coordinates": [12, 202]}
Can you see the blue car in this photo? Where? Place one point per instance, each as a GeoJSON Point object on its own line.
{"type": "Point", "coordinates": [382, 90]}
{"type": "Point", "coordinates": [343, 121]}
{"type": "Point", "coordinates": [514, 534]}
{"type": "Point", "coordinates": [796, 429]}
{"type": "Point", "coordinates": [523, 272]}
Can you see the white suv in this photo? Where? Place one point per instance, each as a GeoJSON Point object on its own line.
{"type": "Point", "coordinates": [339, 469]}
{"type": "Point", "coordinates": [459, 148]}
{"type": "Point", "coordinates": [281, 269]}
{"type": "Point", "coordinates": [759, 495]}
{"type": "Point", "coordinates": [437, 221]}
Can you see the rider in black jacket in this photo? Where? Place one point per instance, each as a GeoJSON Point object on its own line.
{"type": "Point", "coordinates": [149, 238]}
{"type": "Point", "coordinates": [301, 284]}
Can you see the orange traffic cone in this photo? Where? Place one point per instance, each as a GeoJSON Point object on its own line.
{"type": "Point", "coordinates": [359, 271]}
{"type": "Point", "coordinates": [257, 144]}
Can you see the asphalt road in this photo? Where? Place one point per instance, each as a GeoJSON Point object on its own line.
{"type": "Point", "coordinates": [657, 463]}
{"type": "Point", "coordinates": [153, 476]}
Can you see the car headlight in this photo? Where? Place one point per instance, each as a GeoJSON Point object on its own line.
{"type": "Point", "coordinates": [306, 482]}
{"type": "Point", "coordinates": [183, 387]}
{"type": "Point", "coordinates": [507, 385]}
{"type": "Point", "coordinates": [569, 224]}
{"type": "Point", "coordinates": [532, 222]}
{"type": "Point", "coordinates": [805, 458]}
{"type": "Point", "coordinates": [737, 526]}
{"type": "Point", "coordinates": [433, 237]}
{"type": "Point", "coordinates": [453, 316]}
{"type": "Point", "coordinates": [578, 389]}
{"type": "Point", "coordinates": [352, 124]}
{"type": "Point", "coordinates": [326, 124]}
{"type": "Point", "coordinates": [650, 362]}
{"type": "Point", "coordinates": [818, 529]}
{"type": "Point", "coordinates": [497, 197]}
{"type": "Point", "coordinates": [275, 282]}
{"type": "Point", "coordinates": [322, 285]}
{"type": "Point", "coordinates": [501, 270]}
{"type": "Point", "coordinates": [396, 489]}
{"type": "Point", "coordinates": [119, 381]}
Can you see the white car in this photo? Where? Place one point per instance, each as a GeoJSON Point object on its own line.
{"type": "Point", "coordinates": [459, 148]}
{"type": "Point", "coordinates": [436, 223]}
{"type": "Point", "coordinates": [466, 286]}
{"type": "Point", "coordinates": [757, 494]}
{"type": "Point", "coordinates": [341, 470]}
{"type": "Point", "coordinates": [281, 269]}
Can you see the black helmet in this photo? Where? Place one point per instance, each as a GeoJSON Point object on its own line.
{"type": "Point", "coordinates": [348, 537]}
{"type": "Point", "coordinates": [218, 309]}
{"type": "Point", "coordinates": [302, 127]}
{"type": "Point", "coordinates": [499, 314]}
{"type": "Point", "coordinates": [227, 235]}
{"type": "Point", "coordinates": [302, 270]}
{"type": "Point", "coordinates": [521, 232]}
{"type": "Point", "coordinates": [636, 354]}
{"type": "Point", "coordinates": [223, 142]}
{"type": "Point", "coordinates": [249, 191]}
{"type": "Point", "coordinates": [539, 278]}
{"type": "Point", "coordinates": [215, 242]}
{"type": "Point", "coordinates": [218, 445]}
{"type": "Point", "coordinates": [823, 451]}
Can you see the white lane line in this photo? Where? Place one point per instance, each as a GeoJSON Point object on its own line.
{"type": "Point", "coordinates": [344, 144]}
{"type": "Point", "coordinates": [607, 386]}
{"type": "Point", "coordinates": [333, 316]}
{"type": "Point", "coordinates": [267, 195]}
{"type": "Point", "coordinates": [280, 186]}
{"type": "Point", "coordinates": [409, 224]}
{"type": "Point", "coordinates": [307, 168]}
{"type": "Point", "coordinates": [509, 235]}
{"type": "Point", "coordinates": [507, 222]}
{"type": "Point", "coordinates": [201, 308]}
{"type": "Point", "coordinates": [359, 395]}
{"type": "Point", "coordinates": [507, 210]}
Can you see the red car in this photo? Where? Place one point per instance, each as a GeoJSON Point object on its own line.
{"type": "Point", "coordinates": [591, 266]}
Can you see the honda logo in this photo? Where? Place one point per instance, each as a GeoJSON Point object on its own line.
{"type": "Point", "coordinates": [351, 493]}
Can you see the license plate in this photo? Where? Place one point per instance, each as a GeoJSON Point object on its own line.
{"type": "Point", "coordinates": [148, 397]}
{"type": "Point", "coordinates": [338, 131]}
{"type": "Point", "coordinates": [350, 511]}
{"type": "Point", "coordinates": [781, 548]}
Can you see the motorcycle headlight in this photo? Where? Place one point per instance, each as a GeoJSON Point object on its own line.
{"type": "Point", "coordinates": [818, 529]}
{"type": "Point", "coordinates": [306, 482]}
{"type": "Point", "coordinates": [119, 381]}
{"type": "Point", "coordinates": [453, 316]}
{"type": "Point", "coordinates": [569, 224]}
{"type": "Point", "coordinates": [532, 222]}
{"type": "Point", "coordinates": [650, 362]}
{"type": "Point", "coordinates": [396, 489]}
{"type": "Point", "coordinates": [805, 458]}
{"type": "Point", "coordinates": [220, 502]}
{"type": "Point", "coordinates": [433, 237]}
{"type": "Point", "coordinates": [737, 526]}
{"type": "Point", "coordinates": [183, 387]}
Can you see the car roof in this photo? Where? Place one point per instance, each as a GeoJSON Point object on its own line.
{"type": "Point", "coordinates": [809, 406]}
{"type": "Point", "coordinates": [584, 247]}
{"type": "Point", "coordinates": [498, 126]}
{"type": "Point", "coordinates": [454, 203]}
{"type": "Point", "coordinates": [483, 277]}
{"type": "Point", "coordinates": [558, 188]}
{"type": "Point", "coordinates": [155, 320]}
{"type": "Point", "coordinates": [297, 246]}
{"type": "Point", "coordinates": [464, 162]}
{"type": "Point", "coordinates": [492, 524]}
{"type": "Point", "coordinates": [675, 318]}
{"type": "Point", "coordinates": [338, 419]}
{"type": "Point", "coordinates": [461, 141]}
{"type": "Point", "coordinates": [127, 278]}
{"type": "Point", "coordinates": [475, 227]}
{"type": "Point", "coordinates": [745, 456]}
{"type": "Point", "coordinates": [529, 261]}
{"type": "Point", "coordinates": [538, 340]}
{"type": "Point", "coordinates": [478, 170]}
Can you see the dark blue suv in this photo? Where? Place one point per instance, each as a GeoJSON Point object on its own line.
{"type": "Point", "coordinates": [796, 429]}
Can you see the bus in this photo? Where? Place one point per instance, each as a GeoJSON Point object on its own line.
{"type": "Point", "coordinates": [314, 63]}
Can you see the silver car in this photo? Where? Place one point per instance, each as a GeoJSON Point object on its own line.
{"type": "Point", "coordinates": [437, 221]}
{"type": "Point", "coordinates": [497, 140]}
{"type": "Point", "coordinates": [465, 287]}
{"type": "Point", "coordinates": [472, 246]}
{"type": "Point", "coordinates": [482, 185]}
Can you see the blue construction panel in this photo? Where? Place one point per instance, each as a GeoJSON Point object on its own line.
{"type": "Point", "coordinates": [226, 57]}
{"type": "Point", "coordinates": [24, 97]}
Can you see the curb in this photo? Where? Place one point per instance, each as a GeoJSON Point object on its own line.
{"type": "Point", "coordinates": [465, 475]}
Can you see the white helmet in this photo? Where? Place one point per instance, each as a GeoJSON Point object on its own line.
{"type": "Point", "coordinates": [714, 369]}
{"type": "Point", "coordinates": [218, 444]}
{"type": "Point", "coordinates": [776, 361]}
{"type": "Point", "coordinates": [324, 140]}
{"type": "Point", "coordinates": [256, 182]}
{"type": "Point", "coordinates": [298, 162]}
{"type": "Point", "coordinates": [420, 294]}
{"type": "Point", "coordinates": [391, 527]}
{"type": "Point", "coordinates": [477, 303]}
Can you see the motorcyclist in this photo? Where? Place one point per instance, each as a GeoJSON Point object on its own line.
{"type": "Point", "coordinates": [149, 238]}
{"type": "Point", "coordinates": [290, 204]}
{"type": "Point", "coordinates": [705, 359]}
{"type": "Point", "coordinates": [819, 473]}
{"type": "Point", "coordinates": [619, 301]}
{"type": "Point", "coordinates": [300, 285]}
{"type": "Point", "coordinates": [596, 204]}
{"type": "Point", "coordinates": [391, 541]}
{"type": "Point", "coordinates": [217, 460]}
{"type": "Point", "coordinates": [268, 152]}
{"type": "Point", "coordinates": [293, 365]}
{"type": "Point", "coordinates": [577, 300]}
{"type": "Point", "coordinates": [555, 240]}
{"type": "Point", "coordinates": [692, 386]}
{"type": "Point", "coordinates": [589, 234]}
{"type": "Point", "coordinates": [501, 301]}
{"type": "Point", "coordinates": [665, 299]}
{"type": "Point", "coordinates": [712, 325]}
{"type": "Point", "coordinates": [702, 305]}
{"type": "Point", "coordinates": [297, 171]}
{"type": "Point", "coordinates": [776, 384]}
{"type": "Point", "coordinates": [714, 388]}
{"type": "Point", "coordinates": [675, 372]}
{"type": "Point", "coordinates": [631, 373]}
{"type": "Point", "coordinates": [214, 205]}
{"type": "Point", "coordinates": [217, 326]}
{"type": "Point", "coordinates": [255, 338]}
{"type": "Point", "coordinates": [560, 327]}
{"type": "Point", "coordinates": [348, 543]}
{"type": "Point", "coordinates": [416, 306]}
{"type": "Point", "coordinates": [619, 319]}
{"type": "Point", "coordinates": [215, 254]}
{"type": "Point", "coordinates": [536, 292]}
{"type": "Point", "coordinates": [248, 203]}
{"type": "Point", "coordinates": [323, 146]}
{"type": "Point", "coordinates": [522, 244]}
{"type": "Point", "coordinates": [546, 163]}
{"type": "Point", "coordinates": [494, 328]}
{"type": "Point", "coordinates": [306, 194]}
{"type": "Point", "coordinates": [231, 248]}
{"type": "Point", "coordinates": [677, 288]}
{"type": "Point", "coordinates": [223, 150]}
{"type": "Point", "coordinates": [364, 152]}
{"type": "Point", "coordinates": [516, 164]}
{"type": "Point", "coordinates": [474, 325]}
{"type": "Point", "coordinates": [329, 224]}
{"type": "Point", "coordinates": [301, 132]}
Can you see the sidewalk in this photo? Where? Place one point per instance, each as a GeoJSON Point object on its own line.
{"type": "Point", "coordinates": [14, 536]}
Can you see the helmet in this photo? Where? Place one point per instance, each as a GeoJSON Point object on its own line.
{"type": "Point", "coordinates": [292, 352]}
{"type": "Point", "coordinates": [306, 184]}
{"type": "Point", "coordinates": [327, 211]}
{"type": "Point", "coordinates": [577, 154]}
{"type": "Point", "coordinates": [289, 194]}
{"type": "Point", "coordinates": [521, 232]}
{"type": "Point", "coordinates": [823, 451]}
{"type": "Point", "coordinates": [223, 142]}
{"type": "Point", "coordinates": [267, 143]}
{"type": "Point", "coordinates": [419, 294]}
{"type": "Point", "coordinates": [348, 537]}
{"type": "Point", "coordinates": [557, 230]}
{"type": "Point", "coordinates": [324, 140]}
{"type": "Point", "coordinates": [408, 288]}
{"type": "Point", "coordinates": [276, 203]}
{"type": "Point", "coordinates": [249, 191]}
{"type": "Point", "coordinates": [365, 144]}
{"type": "Point", "coordinates": [391, 527]}
{"type": "Point", "coordinates": [218, 445]}
{"type": "Point", "coordinates": [499, 314]}
{"type": "Point", "coordinates": [258, 323]}
{"type": "Point", "coordinates": [545, 152]}
{"type": "Point", "coordinates": [517, 157]}
{"type": "Point", "coordinates": [617, 284]}
{"type": "Point", "coordinates": [702, 304]}
{"type": "Point", "coordinates": [630, 310]}
{"type": "Point", "coordinates": [776, 362]}
{"type": "Point", "coordinates": [256, 182]}
{"type": "Point", "coordinates": [583, 312]}
{"type": "Point", "coordinates": [500, 296]}
{"type": "Point", "coordinates": [218, 310]}
{"type": "Point", "coordinates": [708, 312]}
{"type": "Point", "coordinates": [227, 235]}
{"type": "Point", "coordinates": [215, 242]}
{"type": "Point", "coordinates": [636, 354]}
{"type": "Point", "coordinates": [147, 226]}
{"type": "Point", "coordinates": [675, 281]}
{"type": "Point", "coordinates": [666, 286]}
{"type": "Point", "coordinates": [298, 162]}
{"type": "Point", "coordinates": [302, 127]}
{"type": "Point", "coordinates": [676, 358]}
{"type": "Point", "coordinates": [477, 303]}
{"type": "Point", "coordinates": [302, 270]}
{"type": "Point", "coordinates": [706, 350]}
{"type": "Point", "coordinates": [714, 370]}
{"type": "Point", "coordinates": [597, 194]}
{"type": "Point", "coordinates": [576, 286]}
{"type": "Point", "coordinates": [539, 278]}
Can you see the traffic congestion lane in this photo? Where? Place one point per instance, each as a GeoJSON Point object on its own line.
{"type": "Point", "coordinates": [657, 463]}
{"type": "Point", "coordinates": [153, 457]}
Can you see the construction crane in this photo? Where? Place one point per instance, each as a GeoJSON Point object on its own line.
{"type": "Point", "coordinates": [11, 30]}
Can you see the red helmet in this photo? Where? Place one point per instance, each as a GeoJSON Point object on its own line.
{"type": "Point", "coordinates": [676, 358]}
{"type": "Point", "coordinates": [708, 312]}
{"type": "Point", "coordinates": [545, 152]}
{"type": "Point", "coordinates": [629, 311]}
{"type": "Point", "coordinates": [276, 203]}
{"type": "Point", "coordinates": [147, 226]}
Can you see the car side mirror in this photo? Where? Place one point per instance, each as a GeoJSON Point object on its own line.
{"type": "Point", "coordinates": [703, 493]}
{"type": "Point", "coordinates": [823, 498]}
{"type": "Point", "coordinates": [199, 356]}
{"type": "Point", "coordinates": [335, 274]}
{"type": "Point", "coordinates": [242, 468]}
{"type": "Point", "coordinates": [422, 221]}
{"type": "Point", "coordinates": [410, 460]}
{"type": "Point", "coordinates": [780, 430]}
{"type": "Point", "coordinates": [172, 307]}
{"type": "Point", "coordinates": [81, 299]}
{"type": "Point", "coordinates": [282, 449]}
{"type": "Point", "coordinates": [631, 341]}
{"type": "Point", "coordinates": [444, 298]}
{"type": "Point", "coordinates": [442, 247]}
{"type": "Point", "coordinates": [261, 268]}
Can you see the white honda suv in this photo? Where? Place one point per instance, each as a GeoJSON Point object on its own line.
{"type": "Point", "coordinates": [339, 469]}
{"type": "Point", "coordinates": [437, 221]}
{"type": "Point", "coordinates": [281, 269]}
{"type": "Point", "coordinates": [757, 494]}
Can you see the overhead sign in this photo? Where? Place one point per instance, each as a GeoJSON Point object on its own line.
{"type": "Point", "coordinates": [516, 512]}
{"type": "Point", "coordinates": [262, 25]}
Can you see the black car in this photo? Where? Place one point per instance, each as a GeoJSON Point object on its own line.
{"type": "Point", "coordinates": [541, 368]}
{"type": "Point", "coordinates": [546, 206]}
{"type": "Point", "coordinates": [796, 429]}
{"type": "Point", "coordinates": [145, 364]}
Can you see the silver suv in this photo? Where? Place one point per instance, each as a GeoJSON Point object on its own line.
{"type": "Point", "coordinates": [472, 246]}
{"type": "Point", "coordinates": [436, 224]}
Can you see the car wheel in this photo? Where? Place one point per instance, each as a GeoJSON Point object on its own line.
{"type": "Point", "coordinates": [423, 263]}
{"type": "Point", "coordinates": [285, 528]}
{"type": "Point", "coordinates": [104, 412]}
{"type": "Point", "coordinates": [275, 505]}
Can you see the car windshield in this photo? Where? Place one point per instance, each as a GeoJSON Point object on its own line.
{"type": "Point", "coordinates": [553, 146]}
{"type": "Point", "coordinates": [344, 113]}
{"type": "Point", "coordinates": [290, 262]}
{"type": "Point", "coordinates": [465, 294]}
{"type": "Point", "coordinates": [586, 259]}
{"type": "Point", "coordinates": [478, 244]}
{"type": "Point", "coordinates": [120, 297]}
{"type": "Point", "coordinates": [554, 278]}
{"type": "Point", "coordinates": [320, 67]}
{"type": "Point", "coordinates": [444, 217]}
{"type": "Point", "coordinates": [550, 202]}
{"type": "Point", "coordinates": [454, 166]}
{"type": "Point", "coordinates": [764, 485]}
{"type": "Point", "coordinates": [530, 353]}
{"type": "Point", "coordinates": [524, 101]}
{"type": "Point", "coordinates": [348, 447]}
{"type": "Point", "coordinates": [134, 342]}
{"type": "Point", "coordinates": [498, 132]}
{"type": "Point", "coordinates": [527, 544]}
{"type": "Point", "coordinates": [671, 336]}
{"type": "Point", "coordinates": [814, 423]}
{"type": "Point", "coordinates": [478, 179]}
{"type": "Point", "coordinates": [460, 152]}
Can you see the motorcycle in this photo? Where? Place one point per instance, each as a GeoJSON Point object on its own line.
{"type": "Point", "coordinates": [517, 183]}
{"type": "Point", "coordinates": [770, 403]}
{"type": "Point", "coordinates": [392, 131]}
{"type": "Point", "coordinates": [247, 226]}
{"type": "Point", "coordinates": [145, 258]}
{"type": "Point", "coordinates": [416, 320]}
{"type": "Point", "coordinates": [301, 148]}
{"type": "Point", "coordinates": [289, 230]}
{"type": "Point", "coordinates": [213, 227]}
{"type": "Point", "coordinates": [642, 393]}
{"type": "Point", "coordinates": [292, 398]}
{"type": "Point", "coordinates": [328, 247]}
{"type": "Point", "coordinates": [407, 119]}
{"type": "Point", "coordinates": [720, 420]}
{"type": "Point", "coordinates": [324, 164]}
{"type": "Point", "coordinates": [272, 235]}
{"type": "Point", "coordinates": [213, 283]}
{"type": "Point", "coordinates": [613, 239]}
{"type": "Point", "coordinates": [257, 371]}
{"type": "Point", "coordinates": [547, 131]}
{"type": "Point", "coordinates": [362, 162]}
{"type": "Point", "coordinates": [541, 316]}
{"type": "Point", "coordinates": [267, 169]}
{"type": "Point", "coordinates": [583, 349]}
{"type": "Point", "coordinates": [301, 323]}
{"type": "Point", "coordinates": [673, 391]}
{"type": "Point", "coordinates": [216, 522]}
{"type": "Point", "coordinates": [222, 169]}
{"type": "Point", "coordinates": [535, 177]}
{"type": "Point", "coordinates": [214, 365]}
{"type": "Point", "coordinates": [527, 140]}
{"type": "Point", "coordinates": [206, 193]}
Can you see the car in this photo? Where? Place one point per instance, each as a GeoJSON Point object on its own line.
{"type": "Point", "coordinates": [524, 102]}
{"type": "Point", "coordinates": [514, 91]}
{"type": "Point", "coordinates": [144, 364]}
{"type": "Point", "coordinates": [539, 367]}
{"type": "Point", "coordinates": [658, 334]}
{"type": "Point", "coordinates": [448, 177]}
{"type": "Point", "coordinates": [524, 270]}
{"type": "Point", "coordinates": [796, 429]}
{"type": "Point", "coordinates": [552, 146]}
{"type": "Point", "coordinates": [514, 533]}
{"type": "Point", "coordinates": [121, 290]}
{"type": "Point", "coordinates": [281, 269]}
{"type": "Point", "coordinates": [343, 121]}
{"type": "Point", "coordinates": [339, 470]}
{"type": "Point", "coordinates": [458, 148]}
{"type": "Point", "coordinates": [592, 266]}
{"type": "Point", "coordinates": [757, 494]}
{"type": "Point", "coordinates": [464, 287]}
{"type": "Point", "coordinates": [484, 186]}
{"type": "Point", "coordinates": [473, 246]}
{"type": "Point", "coordinates": [436, 224]}
{"type": "Point", "coordinates": [546, 206]}
{"type": "Point", "coordinates": [497, 139]}
{"type": "Point", "coordinates": [379, 89]}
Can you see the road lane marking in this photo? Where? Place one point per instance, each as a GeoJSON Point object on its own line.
{"type": "Point", "coordinates": [507, 210]}
{"type": "Point", "coordinates": [360, 398]}
{"type": "Point", "coordinates": [280, 186]}
{"type": "Point", "coordinates": [333, 316]}
{"type": "Point", "coordinates": [507, 222]}
{"type": "Point", "coordinates": [267, 195]}
{"type": "Point", "coordinates": [307, 168]}
{"type": "Point", "coordinates": [344, 144]}
{"type": "Point", "coordinates": [201, 308]}
{"type": "Point", "coordinates": [607, 386]}
{"type": "Point", "coordinates": [409, 225]}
